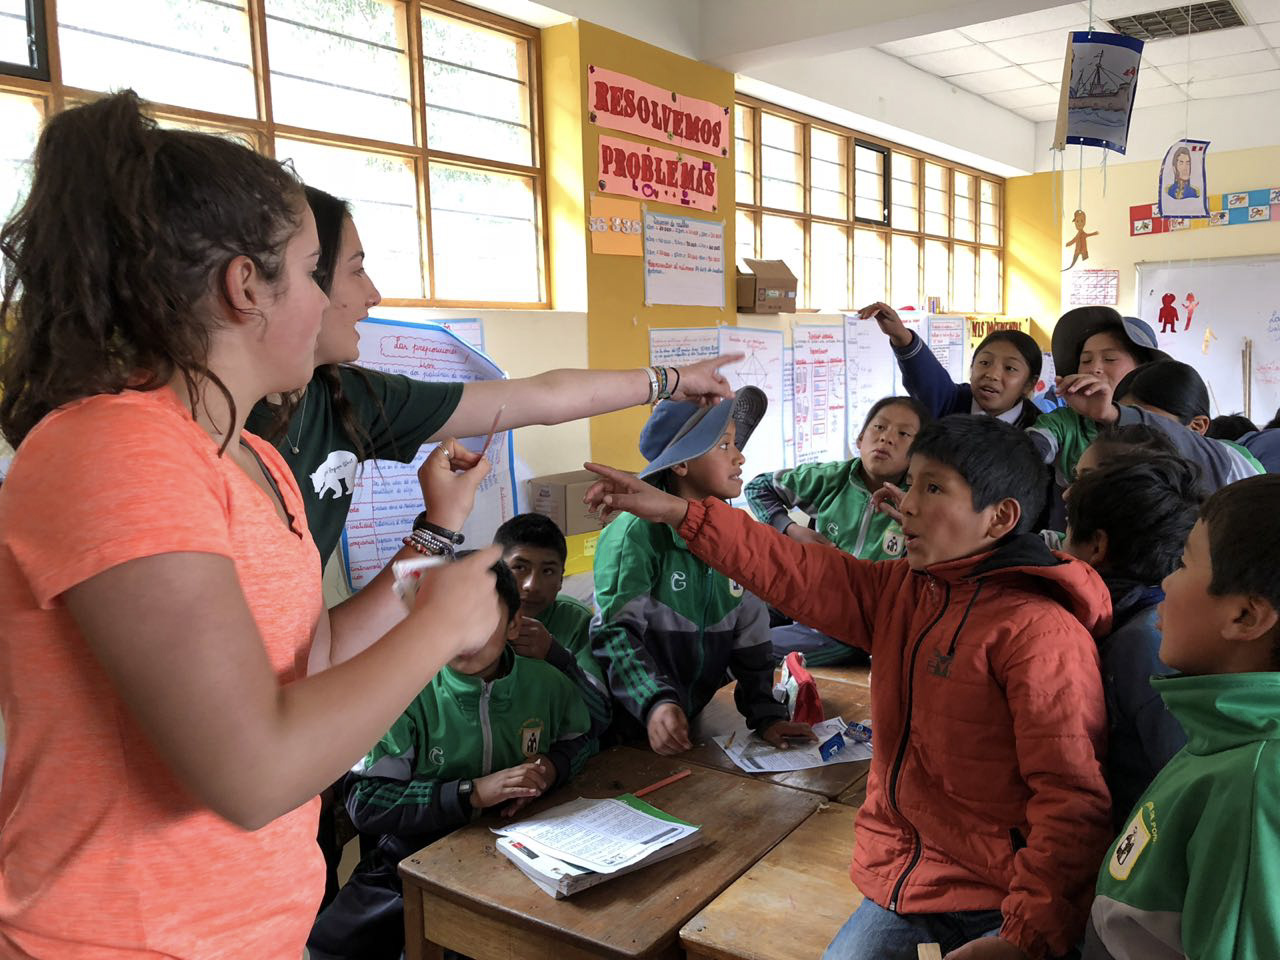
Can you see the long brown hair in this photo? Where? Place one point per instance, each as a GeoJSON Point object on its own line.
{"type": "Point", "coordinates": [110, 263]}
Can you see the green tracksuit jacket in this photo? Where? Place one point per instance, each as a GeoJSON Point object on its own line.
{"type": "Point", "coordinates": [1195, 873]}
{"type": "Point", "coordinates": [669, 627]}
{"type": "Point", "coordinates": [834, 495]}
{"type": "Point", "coordinates": [405, 790]}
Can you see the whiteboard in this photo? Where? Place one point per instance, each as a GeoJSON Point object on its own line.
{"type": "Point", "coordinates": [387, 496]}
{"type": "Point", "coordinates": [1230, 300]}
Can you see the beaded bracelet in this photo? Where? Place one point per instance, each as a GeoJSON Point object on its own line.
{"type": "Point", "coordinates": [428, 544]}
{"type": "Point", "coordinates": [421, 522]}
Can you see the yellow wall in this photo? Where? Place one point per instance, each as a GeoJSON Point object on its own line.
{"type": "Point", "coordinates": [618, 322]}
{"type": "Point", "coordinates": [1035, 255]}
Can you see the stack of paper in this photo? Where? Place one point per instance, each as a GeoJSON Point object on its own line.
{"type": "Point", "coordinates": [838, 742]}
{"type": "Point", "coordinates": [580, 844]}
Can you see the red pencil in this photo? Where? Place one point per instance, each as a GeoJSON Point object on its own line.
{"type": "Point", "coordinates": [666, 781]}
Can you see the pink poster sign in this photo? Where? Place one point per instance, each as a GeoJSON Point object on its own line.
{"type": "Point", "coordinates": [650, 173]}
{"type": "Point", "coordinates": [624, 103]}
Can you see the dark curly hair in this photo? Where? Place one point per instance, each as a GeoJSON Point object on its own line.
{"type": "Point", "coordinates": [110, 263]}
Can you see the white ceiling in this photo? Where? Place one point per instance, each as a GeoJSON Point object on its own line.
{"type": "Point", "coordinates": [1017, 62]}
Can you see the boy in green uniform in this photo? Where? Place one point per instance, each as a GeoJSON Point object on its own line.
{"type": "Point", "coordinates": [492, 731]}
{"type": "Point", "coordinates": [1194, 872]}
{"type": "Point", "coordinates": [670, 628]}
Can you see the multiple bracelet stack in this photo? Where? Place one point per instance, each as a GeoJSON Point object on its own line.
{"type": "Point", "coordinates": [432, 540]}
{"type": "Point", "coordinates": [661, 386]}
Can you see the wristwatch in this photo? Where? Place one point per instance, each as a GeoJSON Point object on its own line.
{"type": "Point", "coordinates": [465, 789]}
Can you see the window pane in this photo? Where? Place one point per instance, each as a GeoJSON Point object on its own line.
{"type": "Point", "coordinates": [190, 54]}
{"type": "Point", "coordinates": [962, 225]}
{"type": "Point", "coordinates": [963, 278]}
{"type": "Point", "coordinates": [781, 163]}
{"type": "Point", "coordinates": [744, 160]}
{"type": "Point", "coordinates": [868, 184]}
{"type": "Point", "coordinates": [990, 212]}
{"type": "Point", "coordinates": [484, 236]}
{"type": "Point", "coordinates": [989, 281]}
{"type": "Point", "coordinates": [782, 238]}
{"type": "Point", "coordinates": [340, 65]}
{"type": "Point", "coordinates": [13, 32]}
{"type": "Point", "coordinates": [828, 175]}
{"type": "Point", "coordinates": [936, 218]}
{"type": "Point", "coordinates": [868, 267]}
{"type": "Point", "coordinates": [383, 193]}
{"type": "Point", "coordinates": [20, 119]}
{"type": "Point", "coordinates": [477, 90]}
{"type": "Point", "coordinates": [937, 272]}
{"type": "Point", "coordinates": [744, 236]}
{"type": "Point", "coordinates": [829, 267]}
{"type": "Point", "coordinates": [905, 265]}
{"type": "Point", "coordinates": [905, 193]}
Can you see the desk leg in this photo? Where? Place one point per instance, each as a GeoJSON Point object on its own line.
{"type": "Point", "coordinates": [416, 946]}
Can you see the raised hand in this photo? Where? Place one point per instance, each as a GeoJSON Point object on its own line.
{"type": "Point", "coordinates": [618, 491]}
{"type": "Point", "coordinates": [891, 324]}
{"type": "Point", "coordinates": [702, 382]}
{"type": "Point", "coordinates": [449, 478]}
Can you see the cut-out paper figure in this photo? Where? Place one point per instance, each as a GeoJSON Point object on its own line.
{"type": "Point", "coordinates": [1080, 241]}
{"type": "Point", "coordinates": [1190, 306]}
{"type": "Point", "coordinates": [1168, 314]}
{"type": "Point", "coordinates": [1183, 190]}
{"type": "Point", "coordinates": [1208, 335]}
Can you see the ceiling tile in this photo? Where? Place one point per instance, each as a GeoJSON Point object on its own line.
{"type": "Point", "coordinates": [929, 43]}
{"type": "Point", "coordinates": [1272, 32]}
{"type": "Point", "coordinates": [1106, 9]}
{"type": "Point", "coordinates": [1236, 86]}
{"type": "Point", "coordinates": [1039, 114]}
{"type": "Point", "coordinates": [989, 81]}
{"type": "Point", "coordinates": [1157, 96]}
{"type": "Point", "coordinates": [1055, 18]}
{"type": "Point", "coordinates": [1050, 71]}
{"type": "Point", "coordinates": [1036, 47]}
{"type": "Point", "coordinates": [1037, 96]}
{"type": "Point", "coordinates": [1200, 46]}
{"type": "Point", "coordinates": [1261, 11]}
{"type": "Point", "coordinates": [950, 63]}
{"type": "Point", "coordinates": [1259, 61]}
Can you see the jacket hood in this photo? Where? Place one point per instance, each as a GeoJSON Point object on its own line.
{"type": "Point", "coordinates": [1221, 711]}
{"type": "Point", "coordinates": [1073, 583]}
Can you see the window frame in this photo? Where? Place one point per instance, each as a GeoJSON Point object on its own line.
{"type": "Point", "coordinates": [754, 208]}
{"type": "Point", "coordinates": [37, 43]}
{"type": "Point", "coordinates": [263, 129]}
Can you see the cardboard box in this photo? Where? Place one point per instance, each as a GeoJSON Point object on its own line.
{"type": "Point", "coordinates": [559, 496]}
{"type": "Point", "coordinates": [770, 287]}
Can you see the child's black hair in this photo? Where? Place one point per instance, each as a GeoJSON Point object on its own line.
{"type": "Point", "coordinates": [1023, 343]}
{"type": "Point", "coordinates": [911, 403]}
{"type": "Point", "coordinates": [1243, 521]}
{"type": "Point", "coordinates": [1146, 504]}
{"type": "Point", "coordinates": [998, 461]}
{"type": "Point", "coordinates": [1116, 440]}
{"type": "Point", "coordinates": [1168, 385]}
{"type": "Point", "coordinates": [508, 590]}
{"type": "Point", "coordinates": [1274, 421]}
{"type": "Point", "coordinates": [1232, 426]}
{"type": "Point", "coordinates": [532, 530]}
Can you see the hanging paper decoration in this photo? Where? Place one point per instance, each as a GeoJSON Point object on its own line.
{"type": "Point", "coordinates": [1099, 80]}
{"type": "Point", "coordinates": [1080, 241]}
{"type": "Point", "coordinates": [1183, 190]}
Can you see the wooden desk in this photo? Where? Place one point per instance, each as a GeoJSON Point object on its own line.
{"type": "Point", "coordinates": [860, 675]}
{"type": "Point", "coordinates": [462, 894]}
{"type": "Point", "coordinates": [788, 906]}
{"type": "Point", "coordinates": [839, 699]}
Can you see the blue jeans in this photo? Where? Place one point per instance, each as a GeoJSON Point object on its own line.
{"type": "Point", "coordinates": [874, 933]}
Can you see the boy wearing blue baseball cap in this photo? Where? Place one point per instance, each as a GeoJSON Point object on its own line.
{"type": "Point", "coordinates": [669, 628]}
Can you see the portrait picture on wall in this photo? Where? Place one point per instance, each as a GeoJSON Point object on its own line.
{"type": "Point", "coordinates": [1183, 191]}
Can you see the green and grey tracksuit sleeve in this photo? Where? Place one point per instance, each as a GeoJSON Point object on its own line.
{"type": "Point", "coordinates": [462, 728]}
{"type": "Point", "coordinates": [834, 495]}
{"type": "Point", "coordinates": [1061, 437]}
{"type": "Point", "coordinates": [1220, 462]}
{"type": "Point", "coordinates": [590, 685]}
{"type": "Point", "coordinates": [1195, 872]}
{"type": "Point", "coordinates": [669, 627]}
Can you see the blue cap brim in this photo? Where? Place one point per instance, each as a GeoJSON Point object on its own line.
{"type": "Point", "coordinates": [708, 425]}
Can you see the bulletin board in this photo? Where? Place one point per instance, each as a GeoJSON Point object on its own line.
{"type": "Point", "coordinates": [1222, 316]}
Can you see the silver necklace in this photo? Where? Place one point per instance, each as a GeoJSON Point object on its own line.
{"type": "Point", "coordinates": [302, 416]}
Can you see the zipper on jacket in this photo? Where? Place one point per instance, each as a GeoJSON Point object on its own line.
{"type": "Point", "coordinates": [867, 517]}
{"type": "Point", "coordinates": [486, 729]}
{"type": "Point", "coordinates": [955, 637]}
{"type": "Point", "coordinates": [708, 579]}
{"type": "Point", "coordinates": [917, 848]}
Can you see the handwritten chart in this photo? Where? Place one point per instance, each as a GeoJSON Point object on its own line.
{"type": "Point", "coordinates": [945, 338]}
{"type": "Point", "coordinates": [872, 371]}
{"type": "Point", "coordinates": [820, 393]}
{"type": "Point", "coordinates": [762, 368]}
{"type": "Point", "coordinates": [684, 261]}
{"type": "Point", "coordinates": [387, 496]}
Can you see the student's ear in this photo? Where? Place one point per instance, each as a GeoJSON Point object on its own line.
{"type": "Point", "coordinates": [1199, 424]}
{"type": "Point", "coordinates": [1254, 619]}
{"type": "Point", "coordinates": [1092, 550]}
{"type": "Point", "coordinates": [513, 628]}
{"type": "Point", "coordinates": [1004, 518]}
{"type": "Point", "coordinates": [242, 287]}
{"type": "Point", "coordinates": [680, 469]}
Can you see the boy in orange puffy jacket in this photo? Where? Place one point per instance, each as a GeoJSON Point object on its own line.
{"type": "Point", "coordinates": [987, 812]}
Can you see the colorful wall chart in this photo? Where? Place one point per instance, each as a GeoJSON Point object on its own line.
{"type": "Point", "coordinates": [684, 260]}
{"type": "Point", "coordinates": [1225, 210]}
